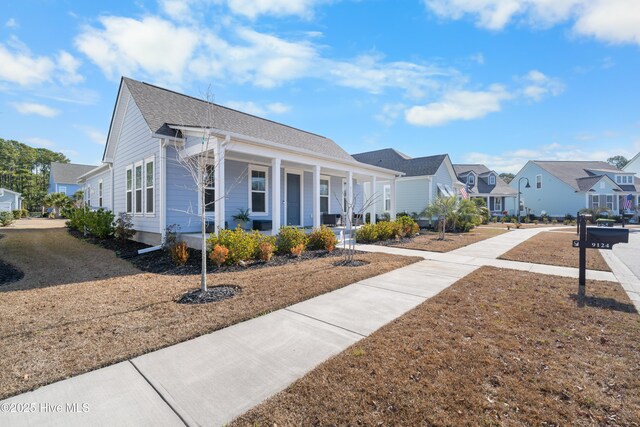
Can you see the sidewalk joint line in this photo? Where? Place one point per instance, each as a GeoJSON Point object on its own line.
{"type": "Point", "coordinates": [325, 322]}
{"type": "Point", "coordinates": [159, 394]}
{"type": "Point", "coordinates": [396, 291]}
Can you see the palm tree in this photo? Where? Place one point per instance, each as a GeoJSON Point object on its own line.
{"type": "Point", "coordinates": [443, 208]}
{"type": "Point", "coordinates": [57, 201]}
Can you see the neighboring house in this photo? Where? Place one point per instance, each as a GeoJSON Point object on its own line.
{"type": "Point", "coordinates": [424, 179]}
{"type": "Point", "coordinates": [484, 183]}
{"type": "Point", "coordinates": [96, 185]}
{"type": "Point", "coordinates": [64, 177]}
{"type": "Point", "coordinates": [9, 200]}
{"type": "Point", "coordinates": [283, 175]}
{"type": "Point", "coordinates": [558, 188]}
{"type": "Point", "coordinates": [633, 165]}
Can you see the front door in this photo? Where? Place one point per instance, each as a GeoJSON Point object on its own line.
{"type": "Point", "coordinates": [293, 199]}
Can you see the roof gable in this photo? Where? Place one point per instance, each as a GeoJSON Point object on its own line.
{"type": "Point", "coordinates": [161, 108]}
{"type": "Point", "coordinates": [482, 184]}
{"type": "Point", "coordinates": [570, 172]}
{"type": "Point", "coordinates": [68, 173]}
{"type": "Point", "coordinates": [390, 158]}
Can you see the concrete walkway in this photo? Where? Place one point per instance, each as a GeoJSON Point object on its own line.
{"type": "Point", "coordinates": [212, 379]}
{"type": "Point", "coordinates": [624, 261]}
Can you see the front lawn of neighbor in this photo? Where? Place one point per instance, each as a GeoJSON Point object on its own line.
{"type": "Point", "coordinates": [499, 347]}
{"type": "Point", "coordinates": [428, 240]}
{"type": "Point", "coordinates": [81, 317]}
{"type": "Point", "coordinates": [554, 249]}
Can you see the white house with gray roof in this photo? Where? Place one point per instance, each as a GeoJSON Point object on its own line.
{"type": "Point", "coordinates": [482, 182]}
{"type": "Point", "coordinates": [558, 188]}
{"type": "Point", "coordinates": [424, 179]}
{"type": "Point", "coordinates": [283, 175]}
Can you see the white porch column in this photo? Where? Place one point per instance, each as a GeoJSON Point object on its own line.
{"type": "Point", "coordinates": [393, 199]}
{"type": "Point", "coordinates": [316, 197]}
{"type": "Point", "coordinates": [350, 206]}
{"type": "Point", "coordinates": [489, 204]}
{"type": "Point", "coordinates": [218, 172]}
{"type": "Point", "coordinates": [276, 200]}
{"type": "Point", "coordinates": [373, 199]}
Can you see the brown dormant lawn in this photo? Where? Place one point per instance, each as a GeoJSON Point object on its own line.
{"type": "Point", "coordinates": [554, 249]}
{"type": "Point", "coordinates": [75, 316]}
{"type": "Point", "coordinates": [428, 240]}
{"type": "Point", "coordinates": [499, 347]}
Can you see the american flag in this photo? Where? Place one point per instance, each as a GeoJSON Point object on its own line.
{"type": "Point", "coordinates": [628, 202]}
{"type": "Point", "coordinates": [463, 193]}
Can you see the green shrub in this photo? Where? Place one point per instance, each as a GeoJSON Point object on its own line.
{"type": "Point", "coordinates": [367, 233]}
{"type": "Point", "coordinates": [322, 238]}
{"type": "Point", "coordinates": [100, 223]}
{"type": "Point", "coordinates": [289, 238]}
{"type": "Point", "coordinates": [389, 230]}
{"type": "Point", "coordinates": [77, 218]}
{"type": "Point", "coordinates": [25, 213]}
{"type": "Point", "coordinates": [6, 218]}
{"type": "Point", "coordinates": [408, 225]}
{"type": "Point", "coordinates": [17, 213]}
{"type": "Point", "coordinates": [242, 245]}
{"type": "Point", "coordinates": [123, 229]}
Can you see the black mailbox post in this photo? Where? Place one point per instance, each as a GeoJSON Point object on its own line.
{"type": "Point", "coordinates": [594, 238]}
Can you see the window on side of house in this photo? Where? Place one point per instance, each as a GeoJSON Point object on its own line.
{"type": "Point", "coordinates": [129, 187]}
{"type": "Point", "coordinates": [594, 201]}
{"type": "Point", "coordinates": [210, 189]}
{"type": "Point", "coordinates": [149, 184]}
{"type": "Point", "coordinates": [387, 198]}
{"type": "Point", "coordinates": [497, 204]}
{"type": "Point", "coordinates": [610, 201]}
{"type": "Point", "coordinates": [62, 189]}
{"type": "Point", "coordinates": [471, 179]}
{"type": "Point", "coordinates": [258, 186]}
{"type": "Point", "coordinates": [324, 195]}
{"type": "Point", "coordinates": [538, 181]}
{"type": "Point", "coordinates": [88, 195]}
{"type": "Point", "coordinates": [492, 180]}
{"type": "Point", "coordinates": [100, 187]}
{"type": "Point", "coordinates": [138, 188]}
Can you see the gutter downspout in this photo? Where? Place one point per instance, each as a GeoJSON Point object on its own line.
{"type": "Point", "coordinates": [163, 190]}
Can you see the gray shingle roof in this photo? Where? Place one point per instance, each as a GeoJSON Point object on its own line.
{"type": "Point", "coordinates": [585, 183]}
{"type": "Point", "coordinates": [161, 107]}
{"type": "Point", "coordinates": [392, 159]}
{"type": "Point", "coordinates": [574, 172]}
{"type": "Point", "coordinates": [68, 173]}
{"type": "Point", "coordinates": [482, 185]}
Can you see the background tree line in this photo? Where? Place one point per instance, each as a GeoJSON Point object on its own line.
{"type": "Point", "coordinates": [26, 170]}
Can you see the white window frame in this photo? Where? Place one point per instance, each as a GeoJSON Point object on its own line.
{"type": "Point", "coordinates": [594, 201]}
{"type": "Point", "coordinates": [619, 179]}
{"type": "Point", "coordinates": [607, 196]}
{"type": "Point", "coordinates": [539, 182]}
{"type": "Point", "coordinates": [492, 179]}
{"type": "Point", "coordinates": [386, 191]}
{"type": "Point", "coordinates": [328, 196]}
{"type": "Point", "coordinates": [471, 179]}
{"type": "Point", "coordinates": [258, 168]}
{"type": "Point", "coordinates": [100, 193]}
{"type": "Point", "coordinates": [135, 189]}
{"type": "Point", "coordinates": [128, 190]}
{"type": "Point", "coordinates": [211, 209]}
{"type": "Point", "coordinates": [146, 188]}
{"type": "Point", "coordinates": [497, 204]}
{"type": "Point", "coordinates": [61, 187]}
{"type": "Point", "coordinates": [88, 195]}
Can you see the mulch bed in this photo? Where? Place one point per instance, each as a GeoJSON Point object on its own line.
{"type": "Point", "coordinates": [9, 273]}
{"type": "Point", "coordinates": [160, 262]}
{"type": "Point", "coordinates": [212, 294]}
{"type": "Point", "coordinates": [499, 347]}
{"type": "Point", "coordinates": [554, 249]}
{"type": "Point", "coordinates": [429, 240]}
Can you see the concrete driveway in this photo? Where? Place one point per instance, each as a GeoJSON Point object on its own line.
{"type": "Point", "coordinates": [629, 254]}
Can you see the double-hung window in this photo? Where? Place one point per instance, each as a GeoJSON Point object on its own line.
{"type": "Point", "coordinates": [387, 198]}
{"type": "Point", "coordinates": [324, 195]}
{"type": "Point", "coordinates": [595, 201]}
{"type": "Point", "coordinates": [62, 189]}
{"type": "Point", "coordinates": [538, 181]}
{"type": "Point", "coordinates": [497, 204]}
{"type": "Point", "coordinates": [492, 180]}
{"type": "Point", "coordinates": [138, 188]}
{"type": "Point", "coordinates": [258, 184]}
{"type": "Point", "coordinates": [100, 188]}
{"type": "Point", "coordinates": [209, 189]}
{"type": "Point", "coordinates": [129, 190]}
{"type": "Point", "coordinates": [610, 201]}
{"type": "Point", "coordinates": [149, 185]}
{"type": "Point", "coordinates": [471, 179]}
{"type": "Point", "coordinates": [89, 195]}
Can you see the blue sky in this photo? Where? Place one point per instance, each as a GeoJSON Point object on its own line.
{"type": "Point", "coordinates": [491, 81]}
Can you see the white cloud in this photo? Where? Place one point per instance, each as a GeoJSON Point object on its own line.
{"type": "Point", "coordinates": [458, 105]}
{"type": "Point", "coordinates": [251, 107]}
{"type": "Point", "coordinates": [11, 23]}
{"type": "Point", "coordinates": [614, 21]}
{"type": "Point", "coordinates": [389, 113]}
{"type": "Point", "coordinates": [125, 46]}
{"type": "Point", "coordinates": [37, 109]}
{"type": "Point", "coordinates": [253, 8]}
{"type": "Point", "coordinates": [21, 67]}
{"type": "Point", "coordinates": [39, 142]}
{"type": "Point", "coordinates": [538, 85]}
{"type": "Point", "coordinates": [513, 161]}
{"type": "Point", "coordinates": [93, 134]}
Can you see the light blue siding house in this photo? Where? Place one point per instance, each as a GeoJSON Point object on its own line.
{"type": "Point", "coordinates": [481, 182]}
{"type": "Point", "coordinates": [424, 179]}
{"type": "Point", "coordinates": [558, 188]}
{"type": "Point", "coordinates": [64, 177]}
{"type": "Point", "coordinates": [9, 200]}
{"type": "Point", "coordinates": [283, 175]}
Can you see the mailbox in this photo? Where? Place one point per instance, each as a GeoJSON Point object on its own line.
{"type": "Point", "coordinates": [605, 238]}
